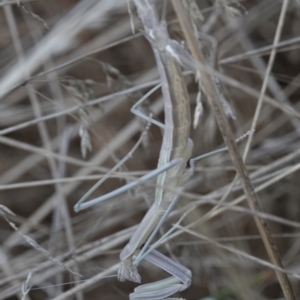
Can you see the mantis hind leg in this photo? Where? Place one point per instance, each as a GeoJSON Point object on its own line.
{"type": "Point", "coordinates": [179, 281]}
{"type": "Point", "coordinates": [135, 111]}
{"type": "Point", "coordinates": [80, 205]}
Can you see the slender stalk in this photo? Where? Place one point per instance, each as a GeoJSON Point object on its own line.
{"type": "Point", "coordinates": [267, 76]}
{"type": "Point", "coordinates": [217, 108]}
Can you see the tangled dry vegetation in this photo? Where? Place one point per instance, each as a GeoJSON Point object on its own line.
{"type": "Point", "coordinates": [70, 72]}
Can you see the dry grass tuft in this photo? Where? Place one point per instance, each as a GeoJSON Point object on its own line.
{"type": "Point", "coordinates": [65, 121]}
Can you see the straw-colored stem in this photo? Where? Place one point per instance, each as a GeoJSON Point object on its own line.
{"type": "Point", "coordinates": [217, 108]}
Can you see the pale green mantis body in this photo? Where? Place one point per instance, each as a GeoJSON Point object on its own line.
{"type": "Point", "coordinates": [176, 145]}
{"type": "Point", "coordinates": [176, 150]}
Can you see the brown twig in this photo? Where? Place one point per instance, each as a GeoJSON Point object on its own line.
{"type": "Point", "coordinates": [217, 108]}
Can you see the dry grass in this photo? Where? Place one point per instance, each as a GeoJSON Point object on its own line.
{"type": "Point", "coordinates": [66, 93]}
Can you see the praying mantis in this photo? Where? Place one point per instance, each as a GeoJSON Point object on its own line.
{"type": "Point", "coordinates": [176, 151]}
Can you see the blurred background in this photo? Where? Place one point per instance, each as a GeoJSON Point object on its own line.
{"type": "Point", "coordinates": [70, 72]}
